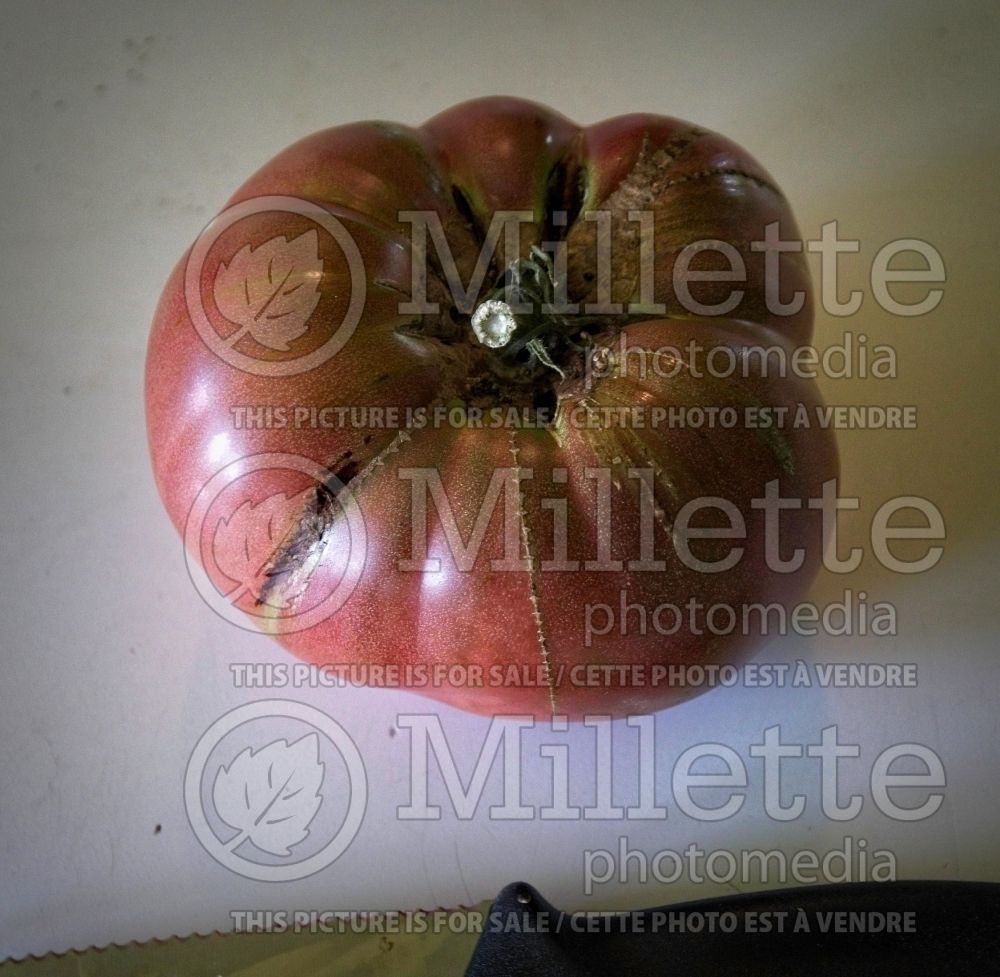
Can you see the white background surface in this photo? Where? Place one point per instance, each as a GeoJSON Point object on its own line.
{"type": "Point", "coordinates": [126, 126]}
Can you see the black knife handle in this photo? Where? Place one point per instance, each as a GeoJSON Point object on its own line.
{"type": "Point", "coordinates": [856, 929]}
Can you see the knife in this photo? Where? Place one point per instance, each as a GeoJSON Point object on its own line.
{"type": "Point", "coordinates": [902, 928]}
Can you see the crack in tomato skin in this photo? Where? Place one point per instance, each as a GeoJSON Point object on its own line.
{"type": "Point", "coordinates": [288, 570]}
{"type": "Point", "coordinates": [536, 610]}
{"type": "Point", "coordinates": [464, 165]}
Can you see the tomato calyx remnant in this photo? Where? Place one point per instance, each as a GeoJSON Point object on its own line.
{"type": "Point", "coordinates": [525, 323]}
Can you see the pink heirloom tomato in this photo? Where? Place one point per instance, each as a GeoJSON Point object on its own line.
{"type": "Point", "coordinates": [494, 408]}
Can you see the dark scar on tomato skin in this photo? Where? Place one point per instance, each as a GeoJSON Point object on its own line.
{"type": "Point", "coordinates": [313, 523]}
{"type": "Point", "coordinates": [317, 516]}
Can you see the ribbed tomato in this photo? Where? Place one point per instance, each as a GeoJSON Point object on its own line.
{"type": "Point", "coordinates": [394, 444]}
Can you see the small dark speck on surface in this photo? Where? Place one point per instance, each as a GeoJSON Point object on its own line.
{"type": "Point", "coordinates": [100, 89]}
{"type": "Point", "coordinates": [157, 829]}
{"type": "Point", "coordinates": [67, 390]}
{"type": "Point", "coordinates": [392, 731]}
{"type": "Point", "coordinates": [59, 103]}
{"type": "Point", "coordinates": [140, 52]}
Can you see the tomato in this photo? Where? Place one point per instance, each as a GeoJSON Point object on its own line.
{"type": "Point", "coordinates": [390, 439]}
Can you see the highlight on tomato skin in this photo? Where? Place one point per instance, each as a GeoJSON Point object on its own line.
{"type": "Point", "coordinates": [395, 433]}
